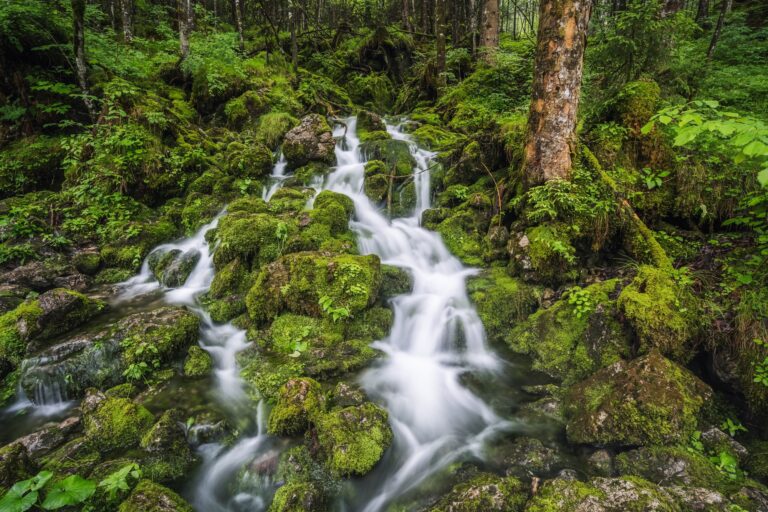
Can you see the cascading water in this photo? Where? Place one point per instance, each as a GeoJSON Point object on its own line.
{"type": "Point", "coordinates": [436, 337]}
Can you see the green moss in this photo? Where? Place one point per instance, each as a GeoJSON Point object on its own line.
{"type": "Point", "coordinates": [483, 493]}
{"type": "Point", "coordinates": [501, 301]}
{"type": "Point", "coordinates": [168, 454]}
{"type": "Point", "coordinates": [87, 262]}
{"type": "Point", "coordinates": [16, 329]}
{"type": "Point", "coordinates": [374, 136]}
{"type": "Point", "coordinates": [435, 138]}
{"type": "Point", "coordinates": [297, 497]}
{"type": "Point", "coordinates": [113, 275]}
{"type": "Point", "coordinates": [647, 401]}
{"type": "Point", "coordinates": [265, 375]}
{"type": "Point", "coordinates": [463, 235]}
{"type": "Point", "coordinates": [674, 465]}
{"type": "Point", "coordinates": [333, 210]}
{"type": "Point", "coordinates": [637, 102]}
{"type": "Point", "coordinates": [394, 281]}
{"type": "Point", "coordinates": [8, 386]}
{"type": "Point", "coordinates": [116, 423]}
{"type": "Point", "coordinates": [273, 127]}
{"type": "Point", "coordinates": [550, 253]}
{"type": "Point", "coordinates": [198, 363]}
{"type": "Point", "coordinates": [353, 439]}
{"type": "Point", "coordinates": [560, 495]}
{"type": "Point", "coordinates": [14, 465]}
{"type": "Point", "coordinates": [244, 108]}
{"type": "Point", "coordinates": [376, 183]}
{"type": "Point", "coordinates": [569, 344]}
{"type": "Point", "coordinates": [30, 163]}
{"type": "Point", "coordinates": [395, 154]}
{"type": "Point", "coordinates": [248, 159]}
{"type": "Point", "coordinates": [198, 210]}
{"type": "Point", "coordinates": [757, 463]}
{"type": "Point", "coordinates": [299, 402]}
{"type": "Point", "coordinates": [372, 324]}
{"type": "Point", "coordinates": [75, 457]}
{"type": "Point", "coordinates": [180, 330]}
{"type": "Point", "coordinates": [148, 496]}
{"type": "Point", "coordinates": [662, 312]}
{"type": "Point", "coordinates": [254, 238]}
{"type": "Point", "coordinates": [297, 282]}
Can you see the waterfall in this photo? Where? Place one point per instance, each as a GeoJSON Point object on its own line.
{"type": "Point", "coordinates": [436, 337]}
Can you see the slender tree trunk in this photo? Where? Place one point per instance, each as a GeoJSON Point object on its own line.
{"type": "Point", "coordinates": [440, 39]}
{"type": "Point", "coordinates": [406, 15]}
{"type": "Point", "coordinates": [186, 15]}
{"type": "Point", "coordinates": [559, 62]}
{"type": "Point", "coordinates": [239, 24]}
{"type": "Point", "coordinates": [725, 8]}
{"type": "Point", "coordinates": [78, 16]}
{"type": "Point", "coordinates": [671, 7]}
{"type": "Point", "coordinates": [702, 13]}
{"type": "Point", "coordinates": [294, 38]}
{"type": "Point", "coordinates": [490, 36]}
{"type": "Point", "coordinates": [126, 14]}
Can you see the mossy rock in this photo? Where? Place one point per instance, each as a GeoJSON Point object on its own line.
{"type": "Point", "coordinates": [14, 465]}
{"type": "Point", "coordinates": [311, 140]}
{"type": "Point", "coordinates": [273, 126]}
{"type": "Point", "coordinates": [569, 342]}
{"type": "Point", "coordinates": [168, 454]}
{"type": "Point", "coordinates": [544, 254]}
{"type": "Point", "coordinates": [353, 439]}
{"type": "Point", "coordinates": [116, 423]}
{"type": "Point", "coordinates": [376, 182]}
{"type": "Point", "coordinates": [369, 122]}
{"type": "Point", "coordinates": [172, 268]}
{"type": "Point", "coordinates": [169, 330]}
{"type": "Point", "coordinates": [662, 312]}
{"type": "Point", "coordinates": [396, 155]}
{"type": "Point", "coordinates": [298, 497]}
{"type": "Point", "coordinates": [255, 239]}
{"type": "Point", "coordinates": [757, 463]}
{"type": "Point", "coordinates": [30, 163]}
{"type": "Point", "coordinates": [87, 263]}
{"type": "Point", "coordinates": [264, 374]}
{"type": "Point", "coordinates": [566, 495]}
{"type": "Point", "coordinates": [76, 457]}
{"type": "Point", "coordinates": [129, 254]}
{"type": "Point", "coordinates": [485, 493]}
{"type": "Point", "coordinates": [148, 496]}
{"type": "Point", "coordinates": [297, 282]}
{"type": "Point", "coordinates": [394, 281]}
{"type": "Point", "coordinates": [299, 402]}
{"type": "Point", "coordinates": [501, 300]}
{"type": "Point", "coordinates": [436, 138]}
{"type": "Point", "coordinates": [463, 232]}
{"type": "Point", "coordinates": [673, 465]}
{"type": "Point", "coordinates": [333, 210]}
{"type": "Point", "coordinates": [244, 109]}
{"type": "Point", "coordinates": [113, 275]}
{"type": "Point", "coordinates": [199, 363]}
{"type": "Point", "coordinates": [647, 401]}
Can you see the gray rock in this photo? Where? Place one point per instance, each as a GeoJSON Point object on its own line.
{"type": "Point", "coordinates": [715, 440]}
{"type": "Point", "coordinates": [601, 463]}
{"type": "Point", "coordinates": [528, 456]}
{"type": "Point", "coordinates": [310, 140]}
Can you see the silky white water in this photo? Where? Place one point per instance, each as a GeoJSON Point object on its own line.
{"type": "Point", "coordinates": [436, 337]}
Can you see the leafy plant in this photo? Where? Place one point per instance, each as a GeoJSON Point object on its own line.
{"type": "Point", "coordinates": [695, 442]}
{"type": "Point", "coordinates": [73, 490]}
{"type": "Point", "coordinates": [581, 300]}
{"type": "Point", "coordinates": [136, 371]}
{"type": "Point", "coordinates": [733, 427]}
{"type": "Point", "coordinates": [727, 463]}
{"type": "Point", "coordinates": [119, 481]}
{"type": "Point", "coordinates": [24, 495]}
{"type": "Point", "coordinates": [336, 313]}
{"type": "Point", "coordinates": [654, 179]}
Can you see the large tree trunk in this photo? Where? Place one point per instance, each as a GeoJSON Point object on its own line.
{"type": "Point", "coordinates": [725, 8]}
{"type": "Point", "coordinates": [670, 7]}
{"type": "Point", "coordinates": [490, 35]}
{"type": "Point", "coordinates": [294, 37]}
{"type": "Point", "coordinates": [126, 13]}
{"type": "Point", "coordinates": [559, 63]}
{"type": "Point", "coordinates": [239, 24]}
{"type": "Point", "coordinates": [702, 12]}
{"type": "Point", "coordinates": [186, 15]}
{"type": "Point", "coordinates": [78, 16]}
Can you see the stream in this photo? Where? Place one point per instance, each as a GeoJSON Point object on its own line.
{"type": "Point", "coordinates": [436, 340]}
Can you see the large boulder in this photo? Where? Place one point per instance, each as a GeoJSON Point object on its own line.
{"type": "Point", "coordinates": [484, 492]}
{"type": "Point", "coordinates": [649, 400]}
{"type": "Point", "coordinates": [169, 456]}
{"type": "Point", "coordinates": [299, 402]}
{"type": "Point", "coordinates": [148, 496]}
{"type": "Point", "coordinates": [112, 423]}
{"type": "Point", "coordinates": [172, 268]}
{"type": "Point", "coordinates": [312, 139]}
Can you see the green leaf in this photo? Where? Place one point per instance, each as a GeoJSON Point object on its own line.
{"type": "Point", "coordinates": [18, 502]}
{"type": "Point", "coordinates": [72, 490]}
{"type": "Point", "coordinates": [755, 148]}
{"type": "Point", "coordinates": [686, 135]}
{"type": "Point", "coordinates": [762, 177]}
{"type": "Point", "coordinates": [648, 127]}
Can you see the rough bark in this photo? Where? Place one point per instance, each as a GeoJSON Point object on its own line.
{"type": "Point", "coordinates": [126, 14]}
{"type": "Point", "coordinates": [490, 34]}
{"type": "Point", "coordinates": [440, 39]}
{"type": "Point", "coordinates": [294, 36]}
{"type": "Point", "coordinates": [186, 15]}
{"type": "Point", "coordinates": [702, 12]}
{"type": "Point", "coordinates": [559, 61]}
{"type": "Point", "coordinates": [725, 8]}
{"type": "Point", "coordinates": [78, 16]}
{"type": "Point", "coordinates": [670, 7]}
{"type": "Point", "coordinates": [239, 24]}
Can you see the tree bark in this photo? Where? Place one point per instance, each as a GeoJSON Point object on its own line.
{"type": "Point", "coordinates": [294, 38]}
{"type": "Point", "coordinates": [126, 14]}
{"type": "Point", "coordinates": [186, 15]}
{"type": "Point", "coordinates": [725, 8]}
{"type": "Point", "coordinates": [440, 40]}
{"type": "Point", "coordinates": [78, 42]}
{"type": "Point", "coordinates": [702, 12]}
{"type": "Point", "coordinates": [671, 7]}
{"type": "Point", "coordinates": [239, 24]}
{"type": "Point", "coordinates": [490, 35]}
{"type": "Point", "coordinates": [559, 62]}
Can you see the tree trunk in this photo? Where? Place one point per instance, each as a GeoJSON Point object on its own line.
{"type": "Point", "coordinates": [406, 15]}
{"type": "Point", "coordinates": [671, 7]}
{"type": "Point", "coordinates": [559, 62]}
{"type": "Point", "coordinates": [186, 19]}
{"type": "Point", "coordinates": [78, 16]}
{"type": "Point", "coordinates": [239, 24]}
{"type": "Point", "coordinates": [490, 35]}
{"type": "Point", "coordinates": [725, 8]}
{"type": "Point", "coordinates": [126, 13]}
{"type": "Point", "coordinates": [294, 38]}
{"type": "Point", "coordinates": [440, 40]}
{"type": "Point", "coordinates": [702, 13]}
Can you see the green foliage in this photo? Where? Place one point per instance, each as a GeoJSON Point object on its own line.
{"type": "Point", "coordinates": [335, 312]}
{"type": "Point", "coordinates": [654, 179]}
{"type": "Point", "coordinates": [733, 427]}
{"type": "Point", "coordinates": [121, 480]}
{"type": "Point", "coordinates": [70, 491]}
{"type": "Point", "coordinates": [581, 300]}
{"type": "Point", "coordinates": [24, 495]}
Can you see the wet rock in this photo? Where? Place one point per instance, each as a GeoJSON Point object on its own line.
{"type": "Point", "coordinates": [207, 427]}
{"type": "Point", "coordinates": [310, 140]}
{"type": "Point", "coordinates": [74, 457]}
{"type": "Point", "coordinates": [394, 281]}
{"type": "Point", "coordinates": [528, 457]}
{"type": "Point", "coordinates": [14, 465]}
{"type": "Point", "coordinates": [353, 439]}
{"type": "Point", "coordinates": [265, 463]}
{"type": "Point", "coordinates": [369, 122]}
{"type": "Point", "coordinates": [623, 494]}
{"type": "Point", "coordinates": [37, 275]}
{"type": "Point", "coordinates": [62, 310]}
{"type": "Point", "coordinates": [87, 261]}
{"type": "Point", "coordinates": [11, 296]}
{"type": "Point", "coordinates": [697, 498]}
{"type": "Point", "coordinates": [649, 400]}
{"type": "Point", "coordinates": [148, 496]}
{"type": "Point", "coordinates": [346, 395]}
{"type": "Point", "coordinates": [600, 463]}
{"type": "Point", "coordinates": [298, 497]}
{"type": "Point", "coordinates": [169, 454]}
{"type": "Point", "coordinates": [299, 402]}
{"type": "Point", "coordinates": [550, 407]}
{"type": "Point", "coordinates": [47, 439]}
{"type": "Point", "coordinates": [670, 466]}
{"type": "Point", "coordinates": [485, 492]}
{"type": "Point", "coordinates": [172, 268]}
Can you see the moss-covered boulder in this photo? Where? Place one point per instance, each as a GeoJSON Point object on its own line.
{"type": "Point", "coordinates": [501, 300]}
{"type": "Point", "coordinates": [112, 423]}
{"type": "Point", "coordinates": [167, 330]}
{"type": "Point", "coordinates": [248, 159]}
{"type": "Point", "coordinates": [172, 268]}
{"type": "Point", "coordinates": [254, 238]}
{"type": "Point", "coordinates": [483, 493]}
{"type": "Point", "coordinates": [198, 363]}
{"type": "Point", "coordinates": [544, 253]}
{"type": "Point", "coordinates": [394, 281]}
{"type": "Point", "coordinates": [298, 497]}
{"type": "Point", "coordinates": [130, 252]}
{"type": "Point", "coordinates": [299, 402]}
{"type": "Point", "coordinates": [352, 440]}
{"type": "Point", "coordinates": [310, 140]}
{"type": "Point", "coordinates": [315, 284]}
{"type": "Point", "coordinates": [647, 401]}
{"type": "Point", "coordinates": [564, 494]}
{"type": "Point", "coordinates": [168, 454]}
{"type": "Point", "coordinates": [662, 311]}
{"type": "Point", "coordinates": [14, 465]}
{"type": "Point", "coordinates": [148, 496]}
{"type": "Point", "coordinates": [671, 465]}
{"type": "Point", "coordinates": [369, 122]}
{"type": "Point", "coordinates": [575, 336]}
{"type": "Point", "coordinates": [395, 154]}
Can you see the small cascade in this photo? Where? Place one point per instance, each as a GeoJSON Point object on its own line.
{"type": "Point", "coordinates": [276, 178]}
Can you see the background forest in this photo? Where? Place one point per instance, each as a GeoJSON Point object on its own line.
{"type": "Point", "coordinates": [619, 229]}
